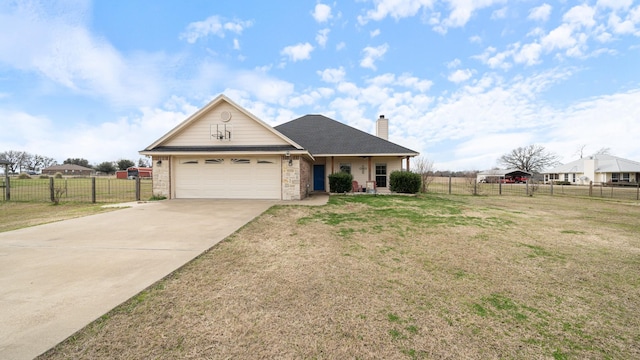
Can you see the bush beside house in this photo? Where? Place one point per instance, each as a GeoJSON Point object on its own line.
{"type": "Point", "coordinates": [405, 182]}
{"type": "Point", "coordinates": [340, 182]}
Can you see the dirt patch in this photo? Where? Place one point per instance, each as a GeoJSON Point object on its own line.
{"type": "Point", "coordinates": [396, 277]}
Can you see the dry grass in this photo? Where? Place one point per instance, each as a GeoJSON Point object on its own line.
{"type": "Point", "coordinates": [16, 215]}
{"type": "Point", "coordinates": [396, 277]}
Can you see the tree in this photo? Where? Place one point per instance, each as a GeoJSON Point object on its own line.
{"type": "Point", "coordinates": [532, 158]}
{"type": "Point", "coordinates": [77, 161]}
{"type": "Point", "coordinates": [424, 167]}
{"type": "Point", "coordinates": [106, 167]}
{"type": "Point", "coordinates": [16, 159]}
{"type": "Point", "coordinates": [124, 164]}
{"type": "Point", "coordinates": [603, 151]}
{"type": "Point", "coordinates": [144, 162]}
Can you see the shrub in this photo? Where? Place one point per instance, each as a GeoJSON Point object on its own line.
{"type": "Point", "coordinates": [58, 175]}
{"type": "Point", "coordinates": [561, 183]}
{"type": "Point", "coordinates": [44, 176]}
{"type": "Point", "coordinates": [340, 182]}
{"type": "Point", "coordinates": [405, 182]}
{"type": "Point", "coordinates": [24, 176]}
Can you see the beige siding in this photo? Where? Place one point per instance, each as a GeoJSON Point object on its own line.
{"type": "Point", "coordinates": [244, 130]}
{"type": "Point", "coordinates": [362, 169]}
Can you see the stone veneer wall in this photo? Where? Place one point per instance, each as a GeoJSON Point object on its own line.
{"type": "Point", "coordinates": [291, 178]}
{"type": "Point", "coordinates": [161, 176]}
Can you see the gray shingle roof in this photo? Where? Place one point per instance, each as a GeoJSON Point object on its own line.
{"type": "Point", "coordinates": [321, 135]}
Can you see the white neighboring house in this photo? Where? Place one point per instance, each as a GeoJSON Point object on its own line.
{"type": "Point", "coordinates": [601, 169]}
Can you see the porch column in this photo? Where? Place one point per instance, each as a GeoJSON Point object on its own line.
{"type": "Point", "coordinates": [408, 163]}
{"type": "Point", "coordinates": [369, 167]}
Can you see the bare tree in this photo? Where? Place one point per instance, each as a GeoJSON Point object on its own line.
{"type": "Point", "coordinates": [580, 150]}
{"type": "Point", "coordinates": [603, 151]}
{"type": "Point", "coordinates": [532, 158]}
{"type": "Point", "coordinates": [424, 167]}
{"type": "Point", "coordinates": [16, 159]}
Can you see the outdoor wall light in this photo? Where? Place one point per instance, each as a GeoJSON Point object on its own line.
{"type": "Point", "coordinates": [290, 162]}
{"type": "Point", "coordinates": [159, 163]}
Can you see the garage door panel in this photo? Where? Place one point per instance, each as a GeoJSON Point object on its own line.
{"type": "Point", "coordinates": [229, 178]}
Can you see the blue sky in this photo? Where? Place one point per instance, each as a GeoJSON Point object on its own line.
{"type": "Point", "coordinates": [462, 81]}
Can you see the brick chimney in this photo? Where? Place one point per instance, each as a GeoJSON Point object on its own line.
{"type": "Point", "coordinates": [382, 127]}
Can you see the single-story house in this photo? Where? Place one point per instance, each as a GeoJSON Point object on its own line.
{"type": "Point", "coordinates": [68, 170]}
{"type": "Point", "coordinates": [224, 151]}
{"type": "Point", "coordinates": [503, 175]}
{"type": "Point", "coordinates": [597, 168]}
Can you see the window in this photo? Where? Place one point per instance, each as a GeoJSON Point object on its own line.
{"type": "Point", "coordinates": [381, 175]}
{"type": "Point", "coordinates": [614, 177]}
{"type": "Point", "coordinates": [214, 161]}
{"type": "Point", "coordinates": [240, 161]}
{"type": "Point", "coordinates": [625, 177]}
{"type": "Point", "coordinates": [345, 167]}
{"type": "Point", "coordinates": [574, 177]}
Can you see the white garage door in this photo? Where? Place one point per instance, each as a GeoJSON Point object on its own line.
{"type": "Point", "coordinates": [228, 177]}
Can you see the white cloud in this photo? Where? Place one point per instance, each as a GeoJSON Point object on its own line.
{"type": "Point", "coordinates": [615, 4]}
{"type": "Point", "coordinates": [341, 45]}
{"type": "Point", "coordinates": [453, 64]}
{"type": "Point", "coordinates": [620, 26]}
{"type": "Point", "coordinates": [460, 75]}
{"type": "Point", "coordinates": [374, 33]}
{"type": "Point", "coordinates": [57, 46]}
{"type": "Point", "coordinates": [581, 15]}
{"type": "Point", "coordinates": [528, 54]}
{"type": "Point", "coordinates": [372, 54]}
{"type": "Point", "coordinates": [213, 25]}
{"type": "Point", "coordinates": [500, 13]}
{"type": "Point", "coordinates": [463, 10]}
{"type": "Point", "coordinates": [395, 8]}
{"type": "Point", "coordinates": [322, 13]}
{"type": "Point", "coordinates": [540, 13]}
{"type": "Point", "coordinates": [298, 52]}
{"type": "Point", "coordinates": [322, 37]}
{"type": "Point", "coordinates": [236, 44]}
{"type": "Point", "coordinates": [332, 75]}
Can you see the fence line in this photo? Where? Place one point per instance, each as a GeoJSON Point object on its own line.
{"type": "Point", "coordinates": [95, 190]}
{"type": "Point", "coordinates": [470, 186]}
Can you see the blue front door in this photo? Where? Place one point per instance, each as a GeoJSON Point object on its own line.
{"type": "Point", "coordinates": [318, 177]}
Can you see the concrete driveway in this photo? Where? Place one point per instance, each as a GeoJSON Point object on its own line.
{"type": "Point", "coordinates": [57, 278]}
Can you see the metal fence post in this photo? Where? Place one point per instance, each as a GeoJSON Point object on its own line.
{"type": "Point", "coordinates": [449, 184]}
{"type": "Point", "coordinates": [8, 188]}
{"type": "Point", "coordinates": [527, 187]}
{"type": "Point", "coordinates": [137, 188]}
{"type": "Point", "coordinates": [551, 191]}
{"type": "Point", "coordinates": [51, 187]}
{"type": "Point", "coordinates": [93, 190]}
{"type": "Point", "coordinates": [638, 190]}
{"type": "Point", "coordinates": [475, 187]}
{"type": "Point", "coordinates": [590, 188]}
{"type": "Point", "coordinates": [499, 187]}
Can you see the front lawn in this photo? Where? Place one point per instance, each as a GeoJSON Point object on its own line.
{"type": "Point", "coordinates": [396, 277]}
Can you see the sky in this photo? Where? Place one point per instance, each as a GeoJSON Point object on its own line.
{"type": "Point", "coordinates": [462, 81]}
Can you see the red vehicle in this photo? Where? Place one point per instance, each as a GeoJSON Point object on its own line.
{"type": "Point", "coordinates": [134, 172]}
{"type": "Point", "coordinates": [514, 180]}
